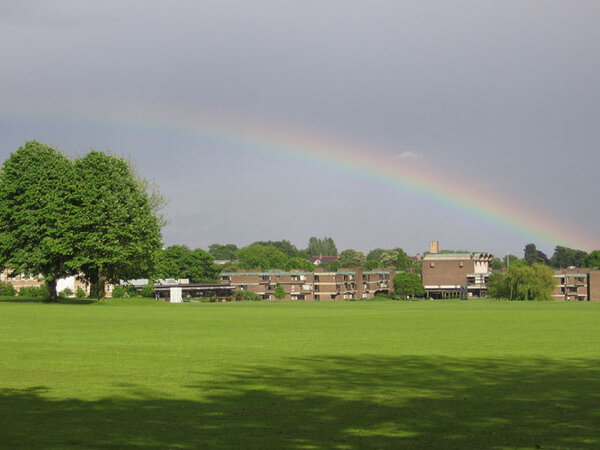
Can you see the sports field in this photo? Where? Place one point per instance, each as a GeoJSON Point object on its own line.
{"type": "Point", "coordinates": [443, 374]}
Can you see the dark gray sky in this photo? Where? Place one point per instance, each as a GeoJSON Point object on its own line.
{"type": "Point", "coordinates": [500, 96]}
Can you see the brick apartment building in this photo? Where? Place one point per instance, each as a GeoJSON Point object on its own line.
{"type": "Point", "coordinates": [577, 285]}
{"type": "Point", "coordinates": [463, 274]}
{"type": "Point", "coordinates": [345, 284]}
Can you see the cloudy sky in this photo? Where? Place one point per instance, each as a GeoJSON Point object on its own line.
{"type": "Point", "coordinates": [378, 123]}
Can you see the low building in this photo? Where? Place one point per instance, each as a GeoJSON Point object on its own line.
{"type": "Point", "coordinates": [461, 274]}
{"type": "Point", "coordinates": [345, 284]}
{"type": "Point", "coordinates": [577, 285]}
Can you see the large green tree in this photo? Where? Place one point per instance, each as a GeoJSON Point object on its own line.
{"type": "Point", "coordinates": [285, 246]}
{"type": "Point", "coordinates": [223, 251]}
{"type": "Point", "coordinates": [178, 261]}
{"type": "Point", "coordinates": [532, 255]}
{"type": "Point", "coordinates": [566, 257]}
{"type": "Point", "coordinates": [35, 216]}
{"type": "Point", "coordinates": [408, 284]}
{"type": "Point", "coordinates": [264, 257]}
{"type": "Point", "coordinates": [352, 258]}
{"type": "Point", "coordinates": [324, 246]}
{"type": "Point", "coordinates": [522, 282]}
{"type": "Point", "coordinates": [592, 259]}
{"type": "Point", "coordinates": [115, 225]}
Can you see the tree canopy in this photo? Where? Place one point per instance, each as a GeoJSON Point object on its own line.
{"type": "Point", "coordinates": [60, 217]}
{"type": "Point", "coordinates": [263, 257]}
{"type": "Point", "coordinates": [324, 246]}
{"type": "Point", "coordinates": [566, 257]}
{"type": "Point", "coordinates": [532, 255]}
{"type": "Point", "coordinates": [408, 284]}
{"type": "Point", "coordinates": [35, 218]}
{"type": "Point", "coordinates": [352, 258]}
{"type": "Point", "coordinates": [178, 261]}
{"type": "Point", "coordinates": [223, 251]}
{"type": "Point", "coordinates": [115, 230]}
{"type": "Point", "coordinates": [522, 282]}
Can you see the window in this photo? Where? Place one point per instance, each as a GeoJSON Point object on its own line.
{"type": "Point", "coordinates": [432, 265]}
{"type": "Point", "coordinates": [460, 264]}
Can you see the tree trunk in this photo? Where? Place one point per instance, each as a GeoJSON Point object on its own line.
{"type": "Point", "coordinates": [51, 288]}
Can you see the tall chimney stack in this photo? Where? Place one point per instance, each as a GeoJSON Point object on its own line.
{"type": "Point", "coordinates": [434, 246]}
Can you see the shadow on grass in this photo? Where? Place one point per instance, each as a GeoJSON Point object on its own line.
{"type": "Point", "coordinates": [336, 402]}
{"type": "Point", "coordinates": [59, 301]}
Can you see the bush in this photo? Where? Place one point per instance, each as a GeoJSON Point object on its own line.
{"type": "Point", "coordinates": [65, 293]}
{"type": "Point", "coordinates": [247, 295]}
{"type": "Point", "coordinates": [131, 291]}
{"type": "Point", "coordinates": [33, 291]}
{"type": "Point", "coordinates": [7, 289]}
{"type": "Point", "coordinates": [148, 291]}
{"type": "Point", "coordinates": [119, 292]}
{"type": "Point", "coordinates": [80, 293]}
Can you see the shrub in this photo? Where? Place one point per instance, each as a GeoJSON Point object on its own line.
{"type": "Point", "coordinates": [7, 289]}
{"type": "Point", "coordinates": [119, 292]}
{"type": "Point", "coordinates": [66, 293]}
{"type": "Point", "coordinates": [33, 291]}
{"type": "Point", "coordinates": [80, 293]}
{"type": "Point", "coordinates": [247, 295]}
{"type": "Point", "coordinates": [131, 291]}
{"type": "Point", "coordinates": [148, 291]}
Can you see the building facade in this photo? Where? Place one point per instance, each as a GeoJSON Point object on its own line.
{"type": "Point", "coordinates": [462, 274]}
{"type": "Point", "coordinates": [577, 285]}
{"type": "Point", "coordinates": [345, 284]}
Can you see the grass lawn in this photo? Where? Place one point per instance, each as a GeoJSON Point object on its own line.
{"type": "Point", "coordinates": [443, 374]}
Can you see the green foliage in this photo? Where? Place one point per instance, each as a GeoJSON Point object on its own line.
{"type": "Point", "coordinates": [7, 289]}
{"type": "Point", "coordinates": [80, 293]}
{"type": "Point", "coordinates": [178, 261]}
{"type": "Point", "coordinates": [408, 284]}
{"type": "Point", "coordinates": [35, 218]}
{"type": "Point", "coordinates": [247, 295]}
{"type": "Point", "coordinates": [371, 264]}
{"type": "Point", "coordinates": [510, 260]}
{"type": "Point", "coordinates": [300, 264]}
{"type": "Point", "coordinates": [592, 259]}
{"type": "Point", "coordinates": [533, 255]}
{"type": "Point", "coordinates": [66, 293]}
{"type": "Point", "coordinates": [33, 291]}
{"type": "Point", "coordinates": [285, 247]}
{"type": "Point", "coordinates": [279, 292]}
{"type": "Point", "coordinates": [148, 291]}
{"type": "Point", "coordinates": [119, 292]}
{"type": "Point", "coordinates": [535, 282]}
{"type": "Point", "coordinates": [331, 266]}
{"type": "Point", "coordinates": [564, 257]}
{"type": "Point", "coordinates": [257, 256]}
{"type": "Point", "coordinates": [132, 291]}
{"type": "Point", "coordinates": [115, 226]}
{"type": "Point", "coordinates": [497, 264]}
{"type": "Point", "coordinates": [223, 251]}
{"type": "Point", "coordinates": [325, 246]}
{"type": "Point", "coordinates": [352, 258]}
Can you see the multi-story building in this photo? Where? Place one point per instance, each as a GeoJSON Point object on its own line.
{"type": "Point", "coordinates": [462, 274]}
{"type": "Point", "coordinates": [577, 285]}
{"type": "Point", "coordinates": [345, 284]}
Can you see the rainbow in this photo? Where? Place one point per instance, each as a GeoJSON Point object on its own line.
{"type": "Point", "coordinates": [361, 161]}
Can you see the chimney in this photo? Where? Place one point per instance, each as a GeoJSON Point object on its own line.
{"type": "Point", "coordinates": [434, 246]}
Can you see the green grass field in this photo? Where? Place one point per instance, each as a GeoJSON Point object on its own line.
{"type": "Point", "coordinates": [444, 374]}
